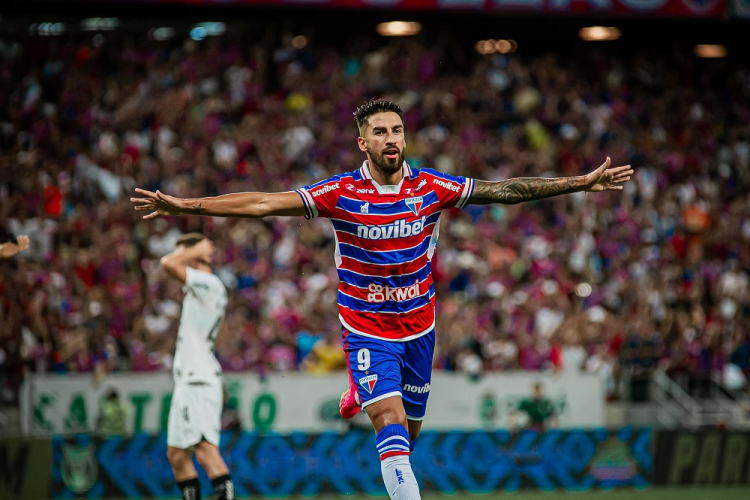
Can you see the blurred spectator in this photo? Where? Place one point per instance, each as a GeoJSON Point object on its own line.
{"type": "Point", "coordinates": [538, 408]}
{"type": "Point", "coordinates": [113, 415]}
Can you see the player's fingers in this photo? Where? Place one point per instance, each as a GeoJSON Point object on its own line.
{"type": "Point", "coordinates": [604, 166]}
{"type": "Point", "coordinates": [150, 194]}
{"type": "Point", "coordinates": [622, 179]}
{"type": "Point", "coordinates": [618, 188]}
{"type": "Point", "coordinates": [620, 169]}
{"type": "Point", "coordinates": [162, 196]}
{"type": "Point", "coordinates": [151, 215]}
{"type": "Point", "coordinates": [144, 207]}
{"type": "Point", "coordinates": [142, 200]}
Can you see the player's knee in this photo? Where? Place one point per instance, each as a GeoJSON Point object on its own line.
{"type": "Point", "coordinates": [206, 453]}
{"type": "Point", "coordinates": [178, 459]}
{"type": "Point", "coordinates": [387, 416]}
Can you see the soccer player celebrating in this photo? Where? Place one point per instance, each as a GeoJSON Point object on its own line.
{"type": "Point", "coordinates": [386, 218]}
{"type": "Point", "coordinates": [195, 414]}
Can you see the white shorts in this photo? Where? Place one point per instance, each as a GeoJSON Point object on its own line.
{"type": "Point", "coordinates": [195, 415]}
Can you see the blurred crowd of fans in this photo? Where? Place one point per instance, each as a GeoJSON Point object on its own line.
{"type": "Point", "coordinates": [622, 283]}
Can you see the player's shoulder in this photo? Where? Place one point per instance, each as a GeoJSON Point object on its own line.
{"type": "Point", "coordinates": [431, 173]}
{"type": "Point", "coordinates": [439, 181]}
{"type": "Point", "coordinates": [204, 279]}
{"type": "Point", "coordinates": [336, 181]}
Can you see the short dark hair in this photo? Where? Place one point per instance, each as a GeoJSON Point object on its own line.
{"type": "Point", "coordinates": [189, 239]}
{"type": "Point", "coordinates": [373, 106]}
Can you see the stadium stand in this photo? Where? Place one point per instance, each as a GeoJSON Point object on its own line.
{"type": "Point", "coordinates": [656, 278]}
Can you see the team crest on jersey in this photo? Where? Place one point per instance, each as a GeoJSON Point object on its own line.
{"type": "Point", "coordinates": [415, 204]}
{"type": "Point", "coordinates": [368, 382]}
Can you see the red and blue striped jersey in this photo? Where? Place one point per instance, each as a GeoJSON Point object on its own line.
{"type": "Point", "coordinates": [385, 239]}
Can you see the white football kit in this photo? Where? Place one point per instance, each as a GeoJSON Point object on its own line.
{"type": "Point", "coordinates": [195, 412]}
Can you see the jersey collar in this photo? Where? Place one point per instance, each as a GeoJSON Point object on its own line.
{"type": "Point", "coordinates": [365, 171]}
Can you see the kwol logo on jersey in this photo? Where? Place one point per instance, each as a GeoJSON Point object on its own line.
{"type": "Point", "coordinates": [368, 382]}
{"type": "Point", "coordinates": [414, 204]}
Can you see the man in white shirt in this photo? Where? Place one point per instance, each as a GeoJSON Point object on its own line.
{"type": "Point", "coordinates": [195, 413]}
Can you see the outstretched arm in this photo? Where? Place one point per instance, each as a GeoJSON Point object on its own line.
{"type": "Point", "coordinates": [227, 205]}
{"type": "Point", "coordinates": [521, 189]}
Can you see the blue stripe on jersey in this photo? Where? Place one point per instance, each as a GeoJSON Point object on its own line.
{"type": "Point", "coordinates": [351, 227]}
{"type": "Point", "coordinates": [362, 281]}
{"type": "Point", "coordinates": [442, 175]}
{"type": "Point", "coordinates": [355, 206]}
{"type": "Point", "coordinates": [389, 306]}
{"type": "Point", "coordinates": [384, 257]}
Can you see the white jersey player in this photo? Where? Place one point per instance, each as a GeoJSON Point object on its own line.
{"type": "Point", "coordinates": [195, 414]}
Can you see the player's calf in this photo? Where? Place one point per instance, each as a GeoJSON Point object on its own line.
{"type": "Point", "coordinates": [184, 472]}
{"type": "Point", "coordinates": [209, 457]}
{"type": "Point", "coordinates": [393, 447]}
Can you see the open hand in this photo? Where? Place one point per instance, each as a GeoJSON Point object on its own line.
{"type": "Point", "coordinates": [158, 204]}
{"type": "Point", "coordinates": [604, 177]}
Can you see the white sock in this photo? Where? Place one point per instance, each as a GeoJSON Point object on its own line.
{"type": "Point", "coordinates": [399, 479]}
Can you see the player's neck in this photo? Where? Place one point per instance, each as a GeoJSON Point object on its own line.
{"type": "Point", "coordinates": [383, 179]}
{"type": "Point", "coordinates": [203, 267]}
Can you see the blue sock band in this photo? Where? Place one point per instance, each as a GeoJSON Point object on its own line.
{"type": "Point", "coordinates": [412, 445]}
{"type": "Point", "coordinates": [392, 440]}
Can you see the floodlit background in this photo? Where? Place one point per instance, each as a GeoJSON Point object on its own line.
{"type": "Point", "coordinates": [631, 309]}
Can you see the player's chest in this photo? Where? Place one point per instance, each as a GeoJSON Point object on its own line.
{"type": "Point", "coordinates": [374, 209]}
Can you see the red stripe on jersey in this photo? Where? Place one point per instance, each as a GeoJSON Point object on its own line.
{"type": "Point", "coordinates": [391, 326]}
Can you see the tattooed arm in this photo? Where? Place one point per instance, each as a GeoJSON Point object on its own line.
{"type": "Point", "coordinates": [521, 189]}
{"type": "Point", "coordinates": [228, 205]}
{"type": "Point", "coordinates": [514, 191]}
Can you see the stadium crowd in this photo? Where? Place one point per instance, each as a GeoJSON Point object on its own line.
{"type": "Point", "coordinates": [653, 277]}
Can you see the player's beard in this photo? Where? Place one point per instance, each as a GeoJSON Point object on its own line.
{"type": "Point", "coordinates": [386, 166]}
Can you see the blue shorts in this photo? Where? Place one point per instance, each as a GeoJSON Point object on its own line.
{"type": "Point", "coordinates": [380, 369]}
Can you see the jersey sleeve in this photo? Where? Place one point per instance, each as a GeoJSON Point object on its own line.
{"type": "Point", "coordinates": [321, 198]}
{"type": "Point", "coordinates": [452, 191]}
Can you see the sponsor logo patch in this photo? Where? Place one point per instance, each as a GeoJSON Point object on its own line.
{"type": "Point", "coordinates": [380, 293]}
{"type": "Point", "coordinates": [397, 229]}
{"type": "Point", "coordinates": [325, 189]}
{"type": "Point", "coordinates": [351, 187]}
{"type": "Point", "coordinates": [447, 185]}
